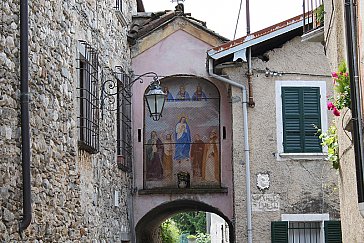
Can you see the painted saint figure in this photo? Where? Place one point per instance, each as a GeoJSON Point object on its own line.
{"type": "Point", "coordinates": [154, 155]}
{"type": "Point", "coordinates": [197, 151]}
{"type": "Point", "coordinates": [168, 157]}
{"type": "Point", "coordinates": [199, 94]}
{"type": "Point", "coordinates": [210, 166]}
{"type": "Point", "coordinates": [183, 140]}
{"type": "Point", "coordinates": [169, 96]}
{"type": "Point", "coordinates": [182, 94]}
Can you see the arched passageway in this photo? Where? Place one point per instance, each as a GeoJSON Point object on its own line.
{"type": "Point", "coordinates": [147, 228]}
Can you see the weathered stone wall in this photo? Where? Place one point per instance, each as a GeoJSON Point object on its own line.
{"type": "Point", "coordinates": [72, 191]}
{"type": "Point", "coordinates": [296, 186]}
{"type": "Point", "coordinates": [352, 222]}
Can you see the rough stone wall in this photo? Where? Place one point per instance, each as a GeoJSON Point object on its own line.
{"type": "Point", "coordinates": [299, 186]}
{"type": "Point", "coordinates": [352, 222]}
{"type": "Point", "coordinates": [72, 191]}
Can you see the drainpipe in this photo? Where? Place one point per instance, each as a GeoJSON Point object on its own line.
{"type": "Point", "coordinates": [249, 57]}
{"type": "Point", "coordinates": [246, 144]}
{"type": "Point", "coordinates": [352, 56]}
{"type": "Point", "coordinates": [24, 106]}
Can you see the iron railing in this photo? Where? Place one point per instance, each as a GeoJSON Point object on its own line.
{"type": "Point", "coordinates": [313, 15]}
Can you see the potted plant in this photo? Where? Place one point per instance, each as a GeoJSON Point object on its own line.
{"type": "Point", "coordinates": [192, 239]}
{"type": "Point", "coordinates": [319, 13]}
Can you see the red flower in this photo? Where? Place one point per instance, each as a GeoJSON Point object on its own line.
{"type": "Point", "coordinates": [334, 75]}
{"type": "Point", "coordinates": [330, 105]}
{"type": "Point", "coordinates": [335, 111]}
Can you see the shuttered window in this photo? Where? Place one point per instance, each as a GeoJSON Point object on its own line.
{"type": "Point", "coordinates": [333, 232]}
{"type": "Point", "coordinates": [279, 231]}
{"type": "Point", "coordinates": [301, 113]}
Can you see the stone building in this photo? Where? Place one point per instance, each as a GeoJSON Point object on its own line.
{"type": "Point", "coordinates": [79, 191]}
{"type": "Point", "coordinates": [342, 37]}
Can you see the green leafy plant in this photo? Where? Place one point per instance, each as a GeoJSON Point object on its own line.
{"type": "Point", "coordinates": [169, 232]}
{"type": "Point", "coordinates": [191, 237]}
{"type": "Point", "coordinates": [330, 140]}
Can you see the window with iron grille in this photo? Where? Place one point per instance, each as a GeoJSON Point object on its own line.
{"type": "Point", "coordinates": [119, 5]}
{"type": "Point", "coordinates": [120, 9]}
{"type": "Point", "coordinates": [124, 135]}
{"type": "Point", "coordinates": [308, 232]}
{"type": "Point", "coordinates": [88, 98]}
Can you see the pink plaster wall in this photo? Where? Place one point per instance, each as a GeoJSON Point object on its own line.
{"type": "Point", "coordinates": [180, 53]}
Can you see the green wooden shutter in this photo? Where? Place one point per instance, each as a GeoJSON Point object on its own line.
{"type": "Point", "coordinates": [333, 232]}
{"type": "Point", "coordinates": [279, 231]}
{"type": "Point", "coordinates": [311, 117]}
{"type": "Point", "coordinates": [300, 111]}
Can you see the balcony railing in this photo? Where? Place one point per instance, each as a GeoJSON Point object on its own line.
{"type": "Point", "coordinates": [313, 13]}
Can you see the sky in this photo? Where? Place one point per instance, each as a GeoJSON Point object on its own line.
{"type": "Point", "coordinates": [221, 16]}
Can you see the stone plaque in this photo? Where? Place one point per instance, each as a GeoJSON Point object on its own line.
{"type": "Point", "coordinates": [265, 202]}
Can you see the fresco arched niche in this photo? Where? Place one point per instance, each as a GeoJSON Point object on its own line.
{"type": "Point", "coordinates": [182, 149]}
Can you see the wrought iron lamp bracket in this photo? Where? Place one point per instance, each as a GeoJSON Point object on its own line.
{"type": "Point", "coordinates": [110, 89]}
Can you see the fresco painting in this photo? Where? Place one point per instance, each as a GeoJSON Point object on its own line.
{"type": "Point", "coordinates": [186, 138]}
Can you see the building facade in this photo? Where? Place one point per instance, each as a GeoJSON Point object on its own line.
{"type": "Point", "coordinates": [294, 188]}
{"type": "Point", "coordinates": [342, 35]}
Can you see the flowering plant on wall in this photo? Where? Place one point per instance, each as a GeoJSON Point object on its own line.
{"type": "Point", "coordinates": [341, 99]}
{"type": "Point", "coordinates": [337, 103]}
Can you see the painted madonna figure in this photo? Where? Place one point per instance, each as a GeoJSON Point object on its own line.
{"type": "Point", "coordinates": [183, 140]}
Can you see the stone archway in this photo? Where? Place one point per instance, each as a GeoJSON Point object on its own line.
{"type": "Point", "coordinates": [146, 229]}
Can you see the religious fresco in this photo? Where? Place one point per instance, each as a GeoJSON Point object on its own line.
{"type": "Point", "coordinates": [182, 149]}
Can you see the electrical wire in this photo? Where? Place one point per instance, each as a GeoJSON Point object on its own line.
{"type": "Point", "coordinates": [237, 20]}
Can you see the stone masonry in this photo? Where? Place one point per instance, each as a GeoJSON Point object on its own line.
{"type": "Point", "coordinates": [72, 190]}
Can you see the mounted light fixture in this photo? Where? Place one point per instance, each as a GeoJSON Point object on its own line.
{"type": "Point", "coordinates": [154, 98]}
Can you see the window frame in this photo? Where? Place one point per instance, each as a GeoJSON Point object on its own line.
{"type": "Point", "coordinates": [279, 117]}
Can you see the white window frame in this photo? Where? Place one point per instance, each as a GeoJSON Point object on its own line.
{"type": "Point", "coordinates": [308, 218]}
{"type": "Point", "coordinates": [279, 118]}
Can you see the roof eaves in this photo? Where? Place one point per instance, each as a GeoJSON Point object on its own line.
{"type": "Point", "coordinates": [256, 38]}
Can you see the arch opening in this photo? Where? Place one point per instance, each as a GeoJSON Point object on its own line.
{"type": "Point", "coordinates": [148, 228]}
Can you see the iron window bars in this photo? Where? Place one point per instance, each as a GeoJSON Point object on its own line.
{"type": "Point", "coordinates": [116, 89]}
{"type": "Point", "coordinates": [88, 98]}
{"type": "Point", "coordinates": [124, 135]}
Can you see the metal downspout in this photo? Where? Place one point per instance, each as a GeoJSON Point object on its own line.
{"type": "Point", "coordinates": [246, 144]}
{"type": "Point", "coordinates": [25, 128]}
{"type": "Point", "coordinates": [249, 57]}
{"type": "Point", "coordinates": [352, 56]}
